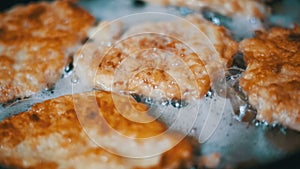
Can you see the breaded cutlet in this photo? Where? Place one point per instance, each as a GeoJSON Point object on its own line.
{"type": "Point", "coordinates": [36, 43]}
{"type": "Point", "coordinates": [177, 59]}
{"type": "Point", "coordinates": [272, 77]}
{"type": "Point", "coordinates": [92, 130]}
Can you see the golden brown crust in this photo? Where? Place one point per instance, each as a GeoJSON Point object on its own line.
{"type": "Point", "coordinates": [272, 78]}
{"type": "Point", "coordinates": [51, 135]}
{"type": "Point", "coordinates": [220, 38]}
{"type": "Point", "coordinates": [170, 59]}
{"type": "Point", "coordinates": [249, 8]}
{"type": "Point", "coordinates": [35, 43]}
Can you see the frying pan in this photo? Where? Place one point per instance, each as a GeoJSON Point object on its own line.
{"type": "Point", "coordinates": [243, 145]}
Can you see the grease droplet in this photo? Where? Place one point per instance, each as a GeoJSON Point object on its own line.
{"type": "Point", "coordinates": [164, 102]}
{"type": "Point", "coordinates": [209, 94]}
{"type": "Point", "coordinates": [74, 79]}
{"type": "Point", "coordinates": [193, 130]}
{"type": "Point", "coordinates": [253, 20]}
{"type": "Point", "coordinates": [148, 100]}
{"type": "Point", "coordinates": [178, 103]}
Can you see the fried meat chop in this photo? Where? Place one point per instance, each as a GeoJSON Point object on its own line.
{"type": "Point", "coordinates": [167, 59]}
{"type": "Point", "coordinates": [272, 77]}
{"type": "Point", "coordinates": [90, 130]}
{"type": "Point", "coordinates": [248, 8]}
{"type": "Point", "coordinates": [35, 43]}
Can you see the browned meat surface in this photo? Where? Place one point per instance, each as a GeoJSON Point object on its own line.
{"type": "Point", "coordinates": [92, 130]}
{"type": "Point", "coordinates": [35, 43]}
{"type": "Point", "coordinates": [169, 59]}
{"type": "Point", "coordinates": [272, 77]}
